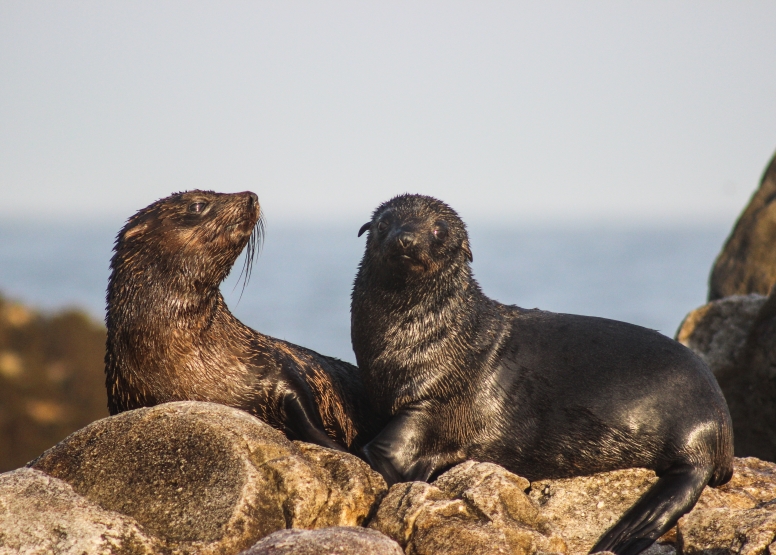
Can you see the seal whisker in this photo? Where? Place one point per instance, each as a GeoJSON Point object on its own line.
{"type": "Point", "coordinates": [255, 244]}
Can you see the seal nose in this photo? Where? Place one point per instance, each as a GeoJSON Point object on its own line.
{"type": "Point", "coordinates": [253, 199]}
{"type": "Point", "coordinates": [405, 239]}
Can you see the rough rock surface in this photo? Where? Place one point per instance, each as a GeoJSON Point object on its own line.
{"type": "Point", "coordinates": [739, 517]}
{"type": "Point", "coordinates": [581, 509]}
{"type": "Point", "coordinates": [718, 331]}
{"type": "Point", "coordinates": [474, 508]}
{"type": "Point", "coordinates": [339, 540]}
{"type": "Point", "coordinates": [747, 263]}
{"type": "Point", "coordinates": [208, 478]}
{"type": "Point", "coordinates": [40, 515]}
{"type": "Point", "coordinates": [736, 337]}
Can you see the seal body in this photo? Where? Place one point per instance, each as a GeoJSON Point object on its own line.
{"type": "Point", "coordinates": [461, 376]}
{"type": "Point", "coordinates": [171, 336]}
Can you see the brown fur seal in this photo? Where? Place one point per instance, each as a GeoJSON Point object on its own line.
{"type": "Point", "coordinates": [747, 263]}
{"type": "Point", "coordinates": [172, 338]}
{"type": "Point", "coordinates": [546, 395]}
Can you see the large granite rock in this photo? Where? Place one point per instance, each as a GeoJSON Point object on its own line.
{"type": "Point", "coordinates": [747, 263]}
{"type": "Point", "coordinates": [40, 515]}
{"type": "Point", "coordinates": [474, 508]}
{"type": "Point", "coordinates": [736, 337]}
{"type": "Point", "coordinates": [206, 478]}
{"type": "Point", "coordinates": [340, 540]}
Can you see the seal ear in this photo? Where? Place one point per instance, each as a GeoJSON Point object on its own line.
{"type": "Point", "coordinates": [364, 228]}
{"type": "Point", "coordinates": [135, 229]}
{"type": "Point", "coordinates": [467, 250]}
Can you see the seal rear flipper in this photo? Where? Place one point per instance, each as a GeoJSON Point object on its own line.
{"type": "Point", "coordinates": [673, 495]}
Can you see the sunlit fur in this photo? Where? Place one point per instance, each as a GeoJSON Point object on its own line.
{"type": "Point", "coordinates": [171, 336]}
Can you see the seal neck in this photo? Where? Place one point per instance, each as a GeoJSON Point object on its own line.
{"type": "Point", "coordinates": [408, 339]}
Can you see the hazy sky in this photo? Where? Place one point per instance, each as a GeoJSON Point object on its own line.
{"type": "Point", "coordinates": [509, 111]}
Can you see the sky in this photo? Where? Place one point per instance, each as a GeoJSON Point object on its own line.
{"type": "Point", "coordinates": [512, 112]}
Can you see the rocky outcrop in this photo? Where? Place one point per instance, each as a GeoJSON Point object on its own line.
{"type": "Point", "coordinates": [474, 508]}
{"type": "Point", "coordinates": [747, 263]}
{"type": "Point", "coordinates": [736, 337]}
{"type": "Point", "coordinates": [52, 379]}
{"type": "Point", "coordinates": [340, 540]}
{"type": "Point", "coordinates": [206, 478]}
{"type": "Point", "coordinates": [186, 478]}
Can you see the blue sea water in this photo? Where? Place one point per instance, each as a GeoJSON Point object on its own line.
{"type": "Point", "coordinates": [300, 287]}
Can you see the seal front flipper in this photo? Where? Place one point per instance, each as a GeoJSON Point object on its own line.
{"type": "Point", "coordinates": [672, 496]}
{"type": "Point", "coordinates": [302, 422]}
{"type": "Point", "coordinates": [398, 452]}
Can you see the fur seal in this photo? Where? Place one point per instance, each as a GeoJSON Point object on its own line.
{"type": "Point", "coordinates": [546, 395]}
{"type": "Point", "coordinates": [747, 263]}
{"type": "Point", "coordinates": [171, 336]}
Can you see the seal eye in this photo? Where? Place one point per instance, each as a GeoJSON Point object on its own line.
{"type": "Point", "coordinates": [440, 231]}
{"type": "Point", "coordinates": [381, 225]}
{"type": "Point", "coordinates": [197, 207]}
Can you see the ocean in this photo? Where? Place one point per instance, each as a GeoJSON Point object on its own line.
{"type": "Point", "coordinates": [300, 287]}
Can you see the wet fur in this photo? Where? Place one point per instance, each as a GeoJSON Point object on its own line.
{"type": "Point", "coordinates": [546, 395]}
{"type": "Point", "coordinates": [171, 337]}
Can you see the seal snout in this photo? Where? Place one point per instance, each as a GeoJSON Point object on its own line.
{"type": "Point", "coordinates": [253, 199]}
{"type": "Point", "coordinates": [403, 239]}
{"type": "Point", "coordinates": [406, 239]}
{"type": "Point", "coordinates": [252, 202]}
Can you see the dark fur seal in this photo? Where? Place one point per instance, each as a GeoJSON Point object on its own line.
{"type": "Point", "coordinates": [747, 263]}
{"type": "Point", "coordinates": [545, 395]}
{"type": "Point", "coordinates": [172, 338]}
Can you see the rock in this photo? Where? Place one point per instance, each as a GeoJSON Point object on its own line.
{"type": "Point", "coordinates": [474, 508]}
{"type": "Point", "coordinates": [41, 515]}
{"type": "Point", "coordinates": [747, 263]}
{"type": "Point", "coordinates": [745, 532]}
{"type": "Point", "coordinates": [718, 331]}
{"type": "Point", "coordinates": [739, 517]}
{"type": "Point", "coordinates": [339, 540]}
{"type": "Point", "coordinates": [355, 488]}
{"type": "Point", "coordinates": [581, 509]}
{"type": "Point", "coordinates": [735, 518]}
{"type": "Point", "coordinates": [209, 478]}
{"type": "Point", "coordinates": [736, 337]}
